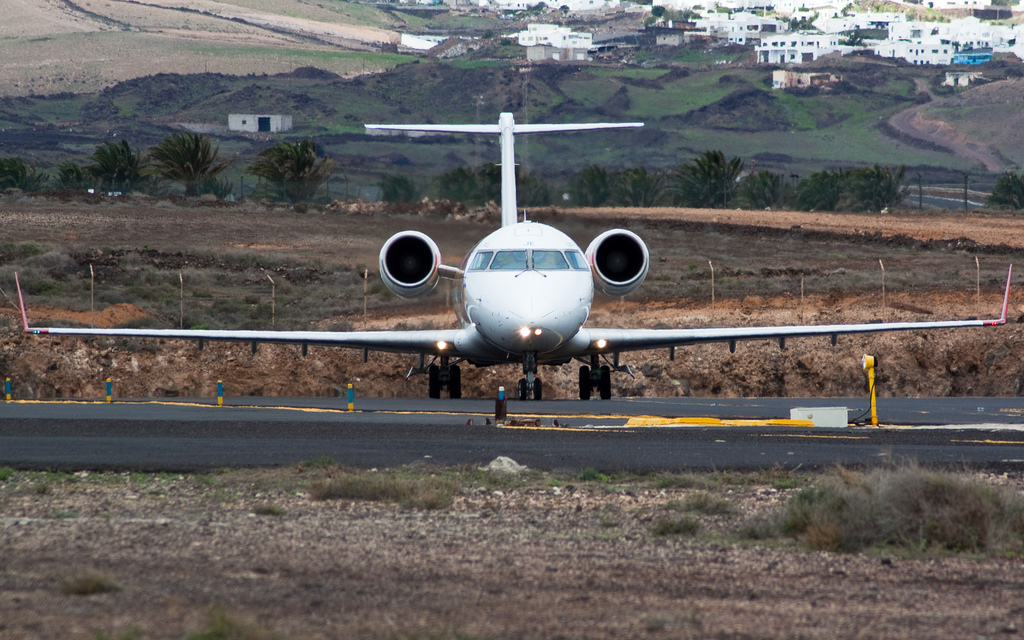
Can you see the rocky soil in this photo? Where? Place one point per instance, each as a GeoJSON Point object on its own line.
{"type": "Point", "coordinates": [548, 557]}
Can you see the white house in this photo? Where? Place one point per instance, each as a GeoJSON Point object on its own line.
{"type": "Point", "coordinates": [575, 6]}
{"type": "Point", "coordinates": [258, 123]}
{"type": "Point", "coordinates": [823, 7]}
{"type": "Point", "coordinates": [796, 48]}
{"type": "Point", "coordinates": [421, 43]}
{"type": "Point", "coordinates": [868, 20]}
{"type": "Point", "coordinates": [957, 4]}
{"type": "Point", "coordinates": [937, 42]}
{"type": "Point", "coordinates": [739, 27]}
{"type": "Point", "coordinates": [552, 35]}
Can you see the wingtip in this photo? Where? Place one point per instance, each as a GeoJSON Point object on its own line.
{"type": "Point", "coordinates": [21, 304]}
{"type": "Point", "coordinates": [1006, 300]}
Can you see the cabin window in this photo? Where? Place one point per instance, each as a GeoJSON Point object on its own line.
{"type": "Point", "coordinates": [549, 260]}
{"type": "Point", "coordinates": [576, 261]}
{"type": "Point", "coordinates": [509, 260]}
{"type": "Point", "coordinates": [480, 261]}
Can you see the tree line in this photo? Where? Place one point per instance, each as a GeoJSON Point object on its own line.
{"type": "Point", "coordinates": [296, 172]}
{"type": "Point", "coordinates": [289, 172]}
{"type": "Point", "coordinates": [709, 180]}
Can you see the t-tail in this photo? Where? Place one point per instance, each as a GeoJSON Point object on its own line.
{"type": "Point", "coordinates": [506, 129]}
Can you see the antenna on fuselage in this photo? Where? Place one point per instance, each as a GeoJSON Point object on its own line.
{"type": "Point", "coordinates": [506, 130]}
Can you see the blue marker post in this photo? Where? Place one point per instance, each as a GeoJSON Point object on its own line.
{"type": "Point", "coordinates": [7, 389]}
{"type": "Point", "coordinates": [110, 391]}
{"type": "Point", "coordinates": [500, 407]}
{"type": "Point", "coordinates": [220, 393]}
{"type": "Point", "coordinates": [351, 398]}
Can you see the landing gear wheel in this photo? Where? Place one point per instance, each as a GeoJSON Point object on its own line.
{"type": "Point", "coordinates": [434, 381]}
{"type": "Point", "coordinates": [523, 391]}
{"type": "Point", "coordinates": [454, 382]}
{"type": "Point", "coordinates": [585, 383]}
{"type": "Point", "coordinates": [537, 389]}
{"type": "Point", "coordinates": [605, 385]}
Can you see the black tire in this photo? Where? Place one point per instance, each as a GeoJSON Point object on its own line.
{"type": "Point", "coordinates": [434, 381]}
{"type": "Point", "coordinates": [522, 389]}
{"type": "Point", "coordinates": [538, 389]}
{"type": "Point", "coordinates": [606, 383]}
{"type": "Point", "coordinates": [454, 382]}
{"type": "Point", "coordinates": [585, 385]}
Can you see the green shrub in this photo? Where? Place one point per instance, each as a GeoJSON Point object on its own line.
{"type": "Point", "coordinates": [83, 583]}
{"type": "Point", "coordinates": [676, 527]}
{"type": "Point", "coordinates": [907, 507]}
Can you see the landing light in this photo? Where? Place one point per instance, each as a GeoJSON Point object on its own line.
{"type": "Point", "coordinates": [524, 332]}
{"type": "Point", "coordinates": [602, 343]}
{"type": "Point", "coordinates": [442, 345]}
{"type": "Point", "coordinates": [536, 332]}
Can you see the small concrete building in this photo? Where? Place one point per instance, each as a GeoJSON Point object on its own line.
{"type": "Point", "coordinates": [259, 124]}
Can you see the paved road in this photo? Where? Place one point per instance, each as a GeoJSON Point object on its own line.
{"type": "Point", "coordinates": [145, 435]}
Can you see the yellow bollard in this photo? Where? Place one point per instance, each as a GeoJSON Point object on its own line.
{"type": "Point", "coordinates": [351, 398]}
{"type": "Point", "coordinates": [7, 389]}
{"type": "Point", "coordinates": [869, 363]}
{"type": "Point", "coordinates": [220, 393]}
{"type": "Point", "coordinates": [110, 393]}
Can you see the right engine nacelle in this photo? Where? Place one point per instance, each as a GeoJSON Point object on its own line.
{"type": "Point", "coordinates": [619, 260]}
{"type": "Point", "coordinates": [409, 264]}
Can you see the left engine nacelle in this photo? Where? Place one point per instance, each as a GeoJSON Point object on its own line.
{"type": "Point", "coordinates": [409, 264]}
{"type": "Point", "coordinates": [619, 260]}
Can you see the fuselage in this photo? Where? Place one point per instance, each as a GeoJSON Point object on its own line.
{"type": "Point", "coordinates": [525, 288]}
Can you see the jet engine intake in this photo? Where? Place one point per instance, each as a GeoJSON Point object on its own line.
{"type": "Point", "coordinates": [619, 260]}
{"type": "Point", "coordinates": [409, 264]}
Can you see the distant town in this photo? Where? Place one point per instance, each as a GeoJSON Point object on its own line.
{"type": "Point", "coordinates": [782, 32]}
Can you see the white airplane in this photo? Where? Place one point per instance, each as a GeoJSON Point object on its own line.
{"type": "Point", "coordinates": [523, 296]}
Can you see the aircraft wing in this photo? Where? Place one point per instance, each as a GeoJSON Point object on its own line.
{"type": "Point", "coordinates": [616, 340]}
{"type": "Point", "coordinates": [446, 341]}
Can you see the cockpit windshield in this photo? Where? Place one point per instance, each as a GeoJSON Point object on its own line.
{"type": "Point", "coordinates": [522, 260]}
{"type": "Point", "coordinates": [508, 260]}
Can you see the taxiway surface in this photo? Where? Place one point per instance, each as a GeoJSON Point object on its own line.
{"type": "Point", "coordinates": [182, 435]}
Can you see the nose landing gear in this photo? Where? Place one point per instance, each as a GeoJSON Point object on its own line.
{"type": "Point", "coordinates": [531, 384]}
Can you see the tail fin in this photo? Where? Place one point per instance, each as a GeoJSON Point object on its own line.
{"type": "Point", "coordinates": [506, 128]}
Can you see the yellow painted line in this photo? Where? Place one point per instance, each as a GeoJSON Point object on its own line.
{"type": "Point", "coordinates": [552, 428]}
{"type": "Point", "coordinates": [653, 421]}
{"type": "Point", "coordinates": [802, 435]}
{"type": "Point", "coordinates": [1018, 411]}
{"type": "Point", "coordinates": [990, 441]}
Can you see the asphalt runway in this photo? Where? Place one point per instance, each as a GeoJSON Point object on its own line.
{"type": "Point", "coordinates": [184, 435]}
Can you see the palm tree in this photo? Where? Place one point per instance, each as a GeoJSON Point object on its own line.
{"type": "Point", "coordinates": [876, 188]}
{"type": "Point", "coordinates": [592, 187]}
{"type": "Point", "coordinates": [118, 168]}
{"type": "Point", "coordinates": [822, 191]}
{"type": "Point", "coordinates": [397, 189]}
{"type": "Point", "coordinates": [1008, 191]}
{"type": "Point", "coordinates": [15, 174]}
{"type": "Point", "coordinates": [293, 171]}
{"type": "Point", "coordinates": [189, 159]}
{"type": "Point", "coordinates": [638, 188]}
{"type": "Point", "coordinates": [71, 176]}
{"type": "Point", "coordinates": [708, 181]}
{"type": "Point", "coordinates": [460, 185]}
{"type": "Point", "coordinates": [763, 190]}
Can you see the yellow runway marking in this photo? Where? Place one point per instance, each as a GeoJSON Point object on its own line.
{"type": "Point", "coordinates": [654, 421]}
{"type": "Point", "coordinates": [801, 435]}
{"type": "Point", "coordinates": [552, 428]}
{"type": "Point", "coordinates": [990, 441]}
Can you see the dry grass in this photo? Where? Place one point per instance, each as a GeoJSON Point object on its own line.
{"type": "Point", "coordinates": [414, 491]}
{"type": "Point", "coordinates": [87, 582]}
{"type": "Point", "coordinates": [909, 508]}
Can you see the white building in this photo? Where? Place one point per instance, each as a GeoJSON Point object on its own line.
{"type": "Point", "coordinates": [957, 4]}
{"type": "Point", "coordinates": [869, 20]}
{"type": "Point", "coordinates": [739, 28]}
{"type": "Point", "coordinates": [822, 7]}
{"type": "Point", "coordinates": [421, 43]}
{"type": "Point", "coordinates": [937, 42]}
{"type": "Point", "coordinates": [575, 6]}
{"type": "Point", "coordinates": [258, 123]}
{"type": "Point", "coordinates": [552, 35]}
{"type": "Point", "coordinates": [796, 48]}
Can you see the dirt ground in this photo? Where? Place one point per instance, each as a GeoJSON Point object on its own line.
{"type": "Point", "coordinates": [981, 362]}
{"type": "Point", "coordinates": [551, 558]}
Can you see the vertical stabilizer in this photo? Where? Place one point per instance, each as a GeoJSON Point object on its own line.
{"type": "Point", "coordinates": [506, 129]}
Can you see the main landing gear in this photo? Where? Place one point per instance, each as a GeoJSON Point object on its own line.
{"type": "Point", "coordinates": [595, 377]}
{"type": "Point", "coordinates": [441, 376]}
